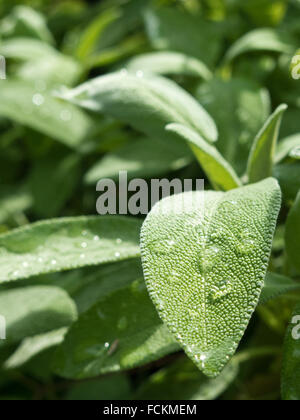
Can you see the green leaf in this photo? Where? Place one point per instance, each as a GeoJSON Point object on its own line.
{"type": "Point", "coordinates": [205, 264]}
{"type": "Point", "coordinates": [262, 39]}
{"type": "Point", "coordinates": [288, 176]}
{"type": "Point", "coordinates": [219, 172]}
{"type": "Point", "coordinates": [190, 36]}
{"type": "Point", "coordinates": [292, 233]}
{"type": "Point", "coordinates": [21, 102]}
{"type": "Point", "coordinates": [32, 346]}
{"type": "Point", "coordinates": [277, 285]}
{"type": "Point", "coordinates": [168, 62]}
{"type": "Point", "coordinates": [34, 310]}
{"type": "Point", "coordinates": [262, 155]}
{"type": "Point", "coordinates": [13, 203]}
{"type": "Point", "coordinates": [295, 153]}
{"type": "Point", "coordinates": [247, 108]}
{"type": "Point", "coordinates": [140, 158]}
{"type": "Point", "coordinates": [66, 243]}
{"type": "Point", "coordinates": [120, 332]}
{"type": "Point", "coordinates": [290, 379]}
{"type": "Point", "coordinates": [183, 381]}
{"type": "Point", "coordinates": [286, 146]}
{"type": "Point", "coordinates": [26, 49]}
{"type": "Point", "coordinates": [147, 103]}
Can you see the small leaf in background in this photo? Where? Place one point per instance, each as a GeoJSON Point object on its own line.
{"type": "Point", "coordinates": [23, 103]}
{"type": "Point", "coordinates": [262, 39]}
{"type": "Point", "coordinates": [290, 380]}
{"type": "Point", "coordinates": [288, 176]}
{"type": "Point", "coordinates": [140, 158]}
{"type": "Point", "coordinates": [286, 146]}
{"type": "Point", "coordinates": [183, 381]}
{"type": "Point", "coordinates": [67, 243]}
{"type": "Point", "coordinates": [147, 103]}
{"type": "Point", "coordinates": [34, 310]}
{"type": "Point", "coordinates": [190, 37]}
{"type": "Point", "coordinates": [262, 155]}
{"type": "Point", "coordinates": [292, 233]}
{"type": "Point", "coordinates": [295, 153]}
{"type": "Point", "coordinates": [277, 285]}
{"type": "Point", "coordinates": [26, 49]}
{"type": "Point", "coordinates": [246, 107]}
{"type": "Point", "coordinates": [219, 172]}
{"type": "Point", "coordinates": [205, 269]}
{"type": "Point", "coordinates": [168, 62]}
{"type": "Point", "coordinates": [120, 332]}
{"type": "Point", "coordinates": [13, 203]}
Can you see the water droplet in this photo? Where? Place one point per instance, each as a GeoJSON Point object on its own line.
{"type": "Point", "coordinates": [16, 273]}
{"type": "Point", "coordinates": [96, 238]}
{"type": "Point", "coordinates": [162, 247]}
{"type": "Point", "coordinates": [84, 233]}
{"type": "Point", "coordinates": [66, 115]}
{"type": "Point", "coordinates": [25, 264]}
{"type": "Point", "coordinates": [247, 243]}
{"type": "Point", "coordinates": [106, 345]}
{"type": "Point", "coordinates": [53, 262]}
{"type": "Point", "coordinates": [84, 245]}
{"type": "Point", "coordinates": [209, 258]}
{"type": "Point", "coordinates": [119, 241]}
{"type": "Point", "coordinates": [82, 256]}
{"type": "Point", "coordinates": [117, 254]}
{"type": "Point", "coordinates": [38, 99]}
{"type": "Point", "coordinates": [140, 74]}
{"type": "Point", "coordinates": [40, 260]}
{"type": "Point", "coordinates": [222, 290]}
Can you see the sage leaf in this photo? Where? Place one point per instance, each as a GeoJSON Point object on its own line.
{"type": "Point", "coordinates": [120, 332]}
{"type": "Point", "coordinates": [147, 103]}
{"type": "Point", "coordinates": [262, 155]}
{"type": "Point", "coordinates": [290, 377]}
{"type": "Point", "coordinates": [277, 285]}
{"type": "Point", "coordinates": [205, 262]}
{"type": "Point", "coordinates": [66, 243]}
{"type": "Point", "coordinates": [286, 146]}
{"type": "Point", "coordinates": [34, 310]}
{"type": "Point", "coordinates": [221, 175]}
{"type": "Point", "coordinates": [292, 233]}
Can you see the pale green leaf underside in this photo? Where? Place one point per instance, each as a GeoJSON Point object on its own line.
{"type": "Point", "coordinates": [168, 62]}
{"type": "Point", "coordinates": [121, 331]}
{"type": "Point", "coordinates": [35, 310]}
{"type": "Point", "coordinates": [261, 159]}
{"type": "Point", "coordinates": [295, 153]}
{"type": "Point", "coordinates": [264, 39]}
{"type": "Point", "coordinates": [205, 269]}
{"type": "Point", "coordinates": [66, 243]}
{"type": "Point", "coordinates": [292, 233]}
{"type": "Point", "coordinates": [147, 103]}
{"type": "Point", "coordinates": [220, 173]}
{"type": "Point", "coordinates": [290, 378]}
{"type": "Point", "coordinates": [286, 146]}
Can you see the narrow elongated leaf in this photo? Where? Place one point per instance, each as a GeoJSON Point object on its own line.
{"type": "Point", "coordinates": [23, 103]}
{"type": "Point", "coordinates": [277, 285]}
{"type": "Point", "coordinates": [141, 158]}
{"type": "Point", "coordinates": [168, 62]}
{"type": "Point", "coordinates": [262, 155]}
{"type": "Point", "coordinates": [183, 381]}
{"type": "Point", "coordinates": [290, 379]}
{"type": "Point", "coordinates": [205, 266]}
{"type": "Point", "coordinates": [26, 49]}
{"type": "Point", "coordinates": [66, 243]}
{"type": "Point", "coordinates": [34, 310]}
{"type": "Point", "coordinates": [292, 233]}
{"type": "Point", "coordinates": [219, 172]}
{"type": "Point", "coordinates": [148, 103]}
{"type": "Point", "coordinates": [264, 39]}
{"type": "Point", "coordinates": [286, 146]}
{"type": "Point", "coordinates": [121, 331]}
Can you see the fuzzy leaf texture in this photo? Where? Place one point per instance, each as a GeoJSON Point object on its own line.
{"type": "Point", "coordinates": [205, 260]}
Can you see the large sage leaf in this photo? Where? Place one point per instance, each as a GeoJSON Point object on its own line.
{"type": "Point", "coordinates": [148, 103]}
{"type": "Point", "coordinates": [205, 265]}
{"type": "Point", "coordinates": [292, 233]}
{"type": "Point", "coordinates": [218, 170]}
{"type": "Point", "coordinates": [262, 155]}
{"type": "Point", "coordinates": [121, 331]}
{"type": "Point", "coordinates": [34, 310]}
{"type": "Point", "coordinates": [66, 243]}
{"type": "Point", "coordinates": [290, 379]}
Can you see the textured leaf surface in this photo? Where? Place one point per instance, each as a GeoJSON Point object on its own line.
{"type": "Point", "coordinates": [34, 310]}
{"type": "Point", "coordinates": [121, 331]}
{"type": "Point", "coordinates": [292, 234]}
{"type": "Point", "coordinates": [290, 380]}
{"type": "Point", "coordinates": [62, 244]}
{"type": "Point", "coordinates": [21, 102]}
{"type": "Point", "coordinates": [205, 267]}
{"type": "Point", "coordinates": [219, 172]}
{"type": "Point", "coordinates": [183, 381]}
{"type": "Point", "coordinates": [261, 40]}
{"type": "Point", "coordinates": [262, 156]}
{"type": "Point", "coordinates": [169, 63]}
{"type": "Point", "coordinates": [277, 285]}
{"type": "Point", "coordinates": [148, 103]}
